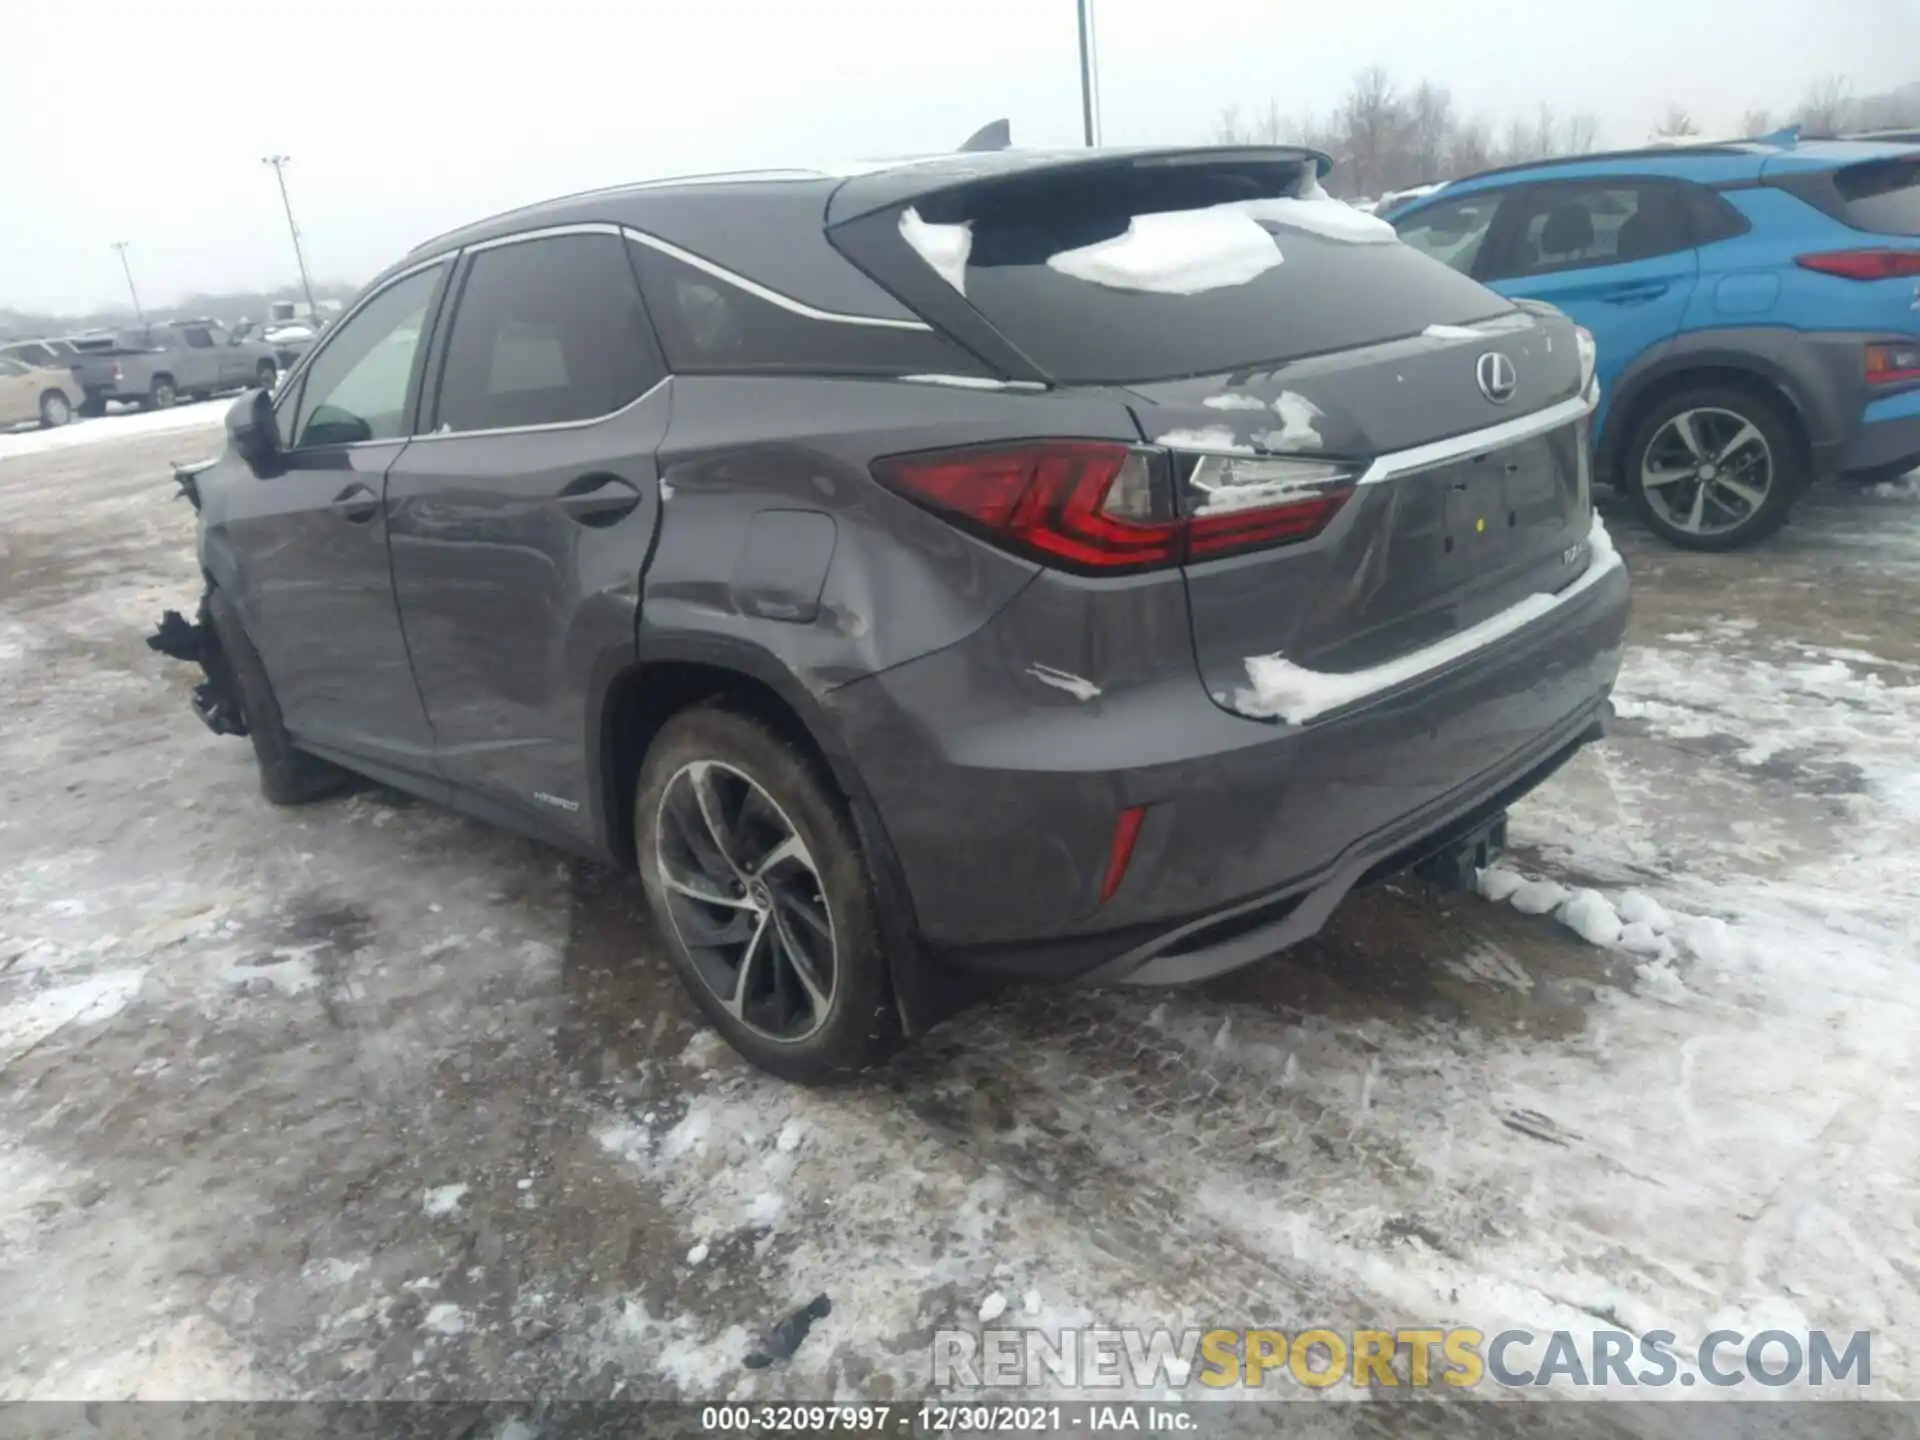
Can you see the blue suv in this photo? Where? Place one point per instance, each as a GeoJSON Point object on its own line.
{"type": "Point", "coordinates": [1756, 306]}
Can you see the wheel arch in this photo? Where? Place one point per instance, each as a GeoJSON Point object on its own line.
{"type": "Point", "coordinates": [668, 676]}
{"type": "Point", "coordinates": [1759, 375]}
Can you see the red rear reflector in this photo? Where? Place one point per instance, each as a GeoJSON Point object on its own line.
{"type": "Point", "coordinates": [1890, 362]}
{"type": "Point", "coordinates": [1863, 264]}
{"type": "Point", "coordinates": [1090, 505]}
{"type": "Point", "coordinates": [1126, 830]}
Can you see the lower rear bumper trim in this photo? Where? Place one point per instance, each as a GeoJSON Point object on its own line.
{"type": "Point", "coordinates": [1215, 944]}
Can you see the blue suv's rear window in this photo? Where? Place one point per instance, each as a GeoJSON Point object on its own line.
{"type": "Point", "coordinates": [1882, 196]}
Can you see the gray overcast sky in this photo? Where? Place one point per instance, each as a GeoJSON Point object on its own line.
{"type": "Point", "coordinates": [147, 122]}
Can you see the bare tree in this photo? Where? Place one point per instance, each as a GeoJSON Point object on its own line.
{"type": "Point", "coordinates": [1676, 123]}
{"type": "Point", "coordinates": [1825, 110]}
{"type": "Point", "coordinates": [1756, 123]}
{"type": "Point", "coordinates": [1430, 126]}
{"type": "Point", "coordinates": [1583, 133]}
{"type": "Point", "coordinates": [1373, 118]}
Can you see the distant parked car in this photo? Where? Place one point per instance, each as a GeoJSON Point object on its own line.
{"type": "Point", "coordinates": [154, 365]}
{"type": "Point", "coordinates": [46, 393]}
{"type": "Point", "coordinates": [1756, 305]}
{"type": "Point", "coordinates": [57, 354]}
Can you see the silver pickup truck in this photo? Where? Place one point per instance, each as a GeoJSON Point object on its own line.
{"type": "Point", "coordinates": [156, 365]}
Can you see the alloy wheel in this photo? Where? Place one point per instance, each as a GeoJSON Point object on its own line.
{"type": "Point", "coordinates": [746, 900]}
{"type": "Point", "coordinates": [1707, 471]}
{"type": "Point", "coordinates": [55, 411]}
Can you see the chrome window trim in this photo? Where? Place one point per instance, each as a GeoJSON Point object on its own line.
{"type": "Point", "coordinates": [756, 289]}
{"type": "Point", "coordinates": [541, 429]}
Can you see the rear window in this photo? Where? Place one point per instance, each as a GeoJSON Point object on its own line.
{"type": "Point", "coordinates": [1882, 196]}
{"type": "Point", "coordinates": [1141, 274]}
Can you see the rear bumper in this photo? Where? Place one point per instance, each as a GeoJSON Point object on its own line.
{"type": "Point", "coordinates": [1888, 435]}
{"type": "Point", "coordinates": [1000, 796]}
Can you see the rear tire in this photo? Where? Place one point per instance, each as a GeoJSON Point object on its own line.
{"type": "Point", "coordinates": [1714, 468]}
{"type": "Point", "coordinates": [791, 972]}
{"type": "Point", "coordinates": [55, 410]}
{"type": "Point", "coordinates": [93, 407]}
{"type": "Point", "coordinates": [161, 396]}
{"type": "Point", "coordinates": [288, 775]}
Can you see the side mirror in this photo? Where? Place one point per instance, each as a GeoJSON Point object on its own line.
{"type": "Point", "coordinates": [253, 430]}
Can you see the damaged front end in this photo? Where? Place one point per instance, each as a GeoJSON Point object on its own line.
{"type": "Point", "coordinates": [216, 700]}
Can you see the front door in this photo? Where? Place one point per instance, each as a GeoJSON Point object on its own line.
{"type": "Point", "coordinates": [316, 590]}
{"type": "Point", "coordinates": [523, 513]}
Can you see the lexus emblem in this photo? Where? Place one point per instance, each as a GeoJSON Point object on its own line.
{"type": "Point", "coordinates": [1497, 377]}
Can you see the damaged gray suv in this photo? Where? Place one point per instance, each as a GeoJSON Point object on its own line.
{"type": "Point", "coordinates": [1085, 566]}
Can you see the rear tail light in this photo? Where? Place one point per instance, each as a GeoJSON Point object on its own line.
{"type": "Point", "coordinates": [1863, 264]}
{"type": "Point", "coordinates": [1893, 361]}
{"type": "Point", "coordinates": [1104, 508]}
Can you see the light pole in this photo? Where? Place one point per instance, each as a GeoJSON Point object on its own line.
{"type": "Point", "coordinates": [138, 314]}
{"type": "Point", "coordinates": [278, 162]}
{"type": "Point", "coordinates": [1086, 76]}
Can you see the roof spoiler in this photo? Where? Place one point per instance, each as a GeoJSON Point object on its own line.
{"type": "Point", "coordinates": [1786, 137]}
{"type": "Point", "coordinates": [995, 135]}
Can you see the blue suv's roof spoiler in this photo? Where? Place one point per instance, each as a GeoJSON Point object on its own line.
{"type": "Point", "coordinates": [1785, 138]}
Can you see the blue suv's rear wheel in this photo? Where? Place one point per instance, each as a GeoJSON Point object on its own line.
{"type": "Point", "coordinates": [1713, 468]}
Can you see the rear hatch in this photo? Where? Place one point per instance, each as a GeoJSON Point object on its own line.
{"type": "Point", "coordinates": [1878, 197]}
{"type": "Point", "coordinates": [1281, 352]}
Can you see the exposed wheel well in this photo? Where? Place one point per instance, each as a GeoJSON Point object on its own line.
{"type": "Point", "coordinates": [1620, 428]}
{"type": "Point", "coordinates": [159, 375]}
{"type": "Point", "coordinates": [644, 698]}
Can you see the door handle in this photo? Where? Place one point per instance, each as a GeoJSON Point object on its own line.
{"type": "Point", "coordinates": [356, 504]}
{"type": "Point", "coordinates": [1637, 293]}
{"type": "Point", "coordinates": [597, 500]}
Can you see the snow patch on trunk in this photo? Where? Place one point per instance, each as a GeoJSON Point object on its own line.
{"type": "Point", "coordinates": [1176, 252]}
{"type": "Point", "coordinates": [1295, 694]}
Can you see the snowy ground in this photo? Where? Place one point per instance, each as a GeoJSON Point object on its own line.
{"type": "Point", "coordinates": [367, 1100]}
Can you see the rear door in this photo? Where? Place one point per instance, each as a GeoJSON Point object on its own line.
{"type": "Point", "coordinates": [316, 590]}
{"type": "Point", "coordinates": [523, 513]}
{"type": "Point", "coordinates": [1616, 253]}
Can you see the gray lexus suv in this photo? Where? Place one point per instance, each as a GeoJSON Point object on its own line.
{"type": "Point", "coordinates": [1087, 565]}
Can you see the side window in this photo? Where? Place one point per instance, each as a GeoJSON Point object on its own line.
{"type": "Point", "coordinates": [196, 337]}
{"type": "Point", "coordinates": [11, 369]}
{"type": "Point", "coordinates": [1710, 216]}
{"type": "Point", "coordinates": [1567, 227]}
{"type": "Point", "coordinates": [356, 387]}
{"type": "Point", "coordinates": [1453, 230]}
{"type": "Point", "coordinates": [546, 332]}
{"type": "Point", "coordinates": [710, 324]}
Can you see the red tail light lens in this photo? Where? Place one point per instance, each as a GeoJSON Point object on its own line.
{"type": "Point", "coordinates": [1863, 264]}
{"type": "Point", "coordinates": [1890, 362]}
{"type": "Point", "coordinates": [1094, 506]}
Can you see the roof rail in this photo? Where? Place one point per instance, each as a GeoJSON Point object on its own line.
{"type": "Point", "coordinates": [1708, 147]}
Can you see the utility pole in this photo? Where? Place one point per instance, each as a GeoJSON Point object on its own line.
{"type": "Point", "coordinates": [138, 314]}
{"type": "Point", "coordinates": [278, 162]}
{"type": "Point", "coordinates": [1086, 76]}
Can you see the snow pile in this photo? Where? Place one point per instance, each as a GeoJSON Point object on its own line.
{"type": "Point", "coordinates": [208, 415]}
{"type": "Point", "coordinates": [1296, 694]}
{"type": "Point", "coordinates": [1320, 214]}
{"type": "Point", "coordinates": [944, 247]}
{"type": "Point", "coordinates": [1176, 252]}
